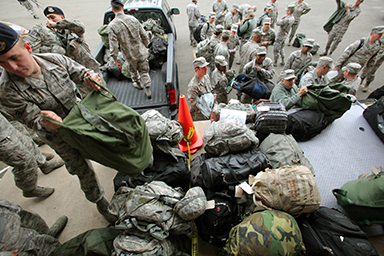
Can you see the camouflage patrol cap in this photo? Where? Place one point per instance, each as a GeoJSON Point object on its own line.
{"type": "Point", "coordinates": [8, 38]}
{"type": "Point", "coordinates": [53, 10]}
{"type": "Point", "coordinates": [261, 50]}
{"type": "Point", "coordinates": [219, 28]}
{"type": "Point", "coordinates": [212, 15]}
{"type": "Point", "coordinates": [236, 6]}
{"type": "Point", "coordinates": [378, 29]}
{"type": "Point", "coordinates": [226, 33]}
{"type": "Point", "coordinates": [309, 42]}
{"type": "Point", "coordinates": [200, 62]}
{"type": "Point", "coordinates": [352, 68]}
{"type": "Point", "coordinates": [290, 7]}
{"type": "Point", "coordinates": [325, 61]}
{"type": "Point", "coordinates": [268, 6]}
{"type": "Point", "coordinates": [219, 59]}
{"type": "Point", "coordinates": [267, 21]}
{"type": "Point", "coordinates": [287, 74]}
{"type": "Point", "coordinates": [257, 32]}
{"type": "Point", "coordinates": [234, 27]}
{"type": "Point", "coordinates": [192, 205]}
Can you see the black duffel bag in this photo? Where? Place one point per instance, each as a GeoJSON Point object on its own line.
{"type": "Point", "coordinates": [305, 124]}
{"type": "Point", "coordinates": [374, 115]}
{"type": "Point", "coordinates": [232, 169]}
{"type": "Point", "coordinates": [253, 86]}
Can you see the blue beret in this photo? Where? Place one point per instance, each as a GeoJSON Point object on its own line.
{"type": "Point", "coordinates": [8, 38]}
{"type": "Point", "coordinates": [53, 10]}
{"type": "Point", "coordinates": [117, 2]}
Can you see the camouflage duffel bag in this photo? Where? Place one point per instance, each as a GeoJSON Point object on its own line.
{"type": "Point", "coordinates": [268, 232]}
{"type": "Point", "coordinates": [292, 189]}
{"type": "Point", "coordinates": [251, 114]}
{"type": "Point", "coordinates": [228, 136]}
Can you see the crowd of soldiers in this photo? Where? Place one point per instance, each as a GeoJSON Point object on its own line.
{"type": "Point", "coordinates": [254, 37]}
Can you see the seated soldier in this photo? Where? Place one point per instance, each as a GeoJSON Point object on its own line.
{"type": "Point", "coordinates": [286, 91]}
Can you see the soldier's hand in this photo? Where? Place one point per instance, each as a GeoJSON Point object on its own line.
{"type": "Point", "coordinates": [117, 63]}
{"type": "Point", "coordinates": [303, 90]}
{"type": "Point", "coordinates": [95, 78]}
{"type": "Point", "coordinates": [52, 115]}
{"type": "Point", "coordinates": [51, 24]}
{"type": "Point", "coordinates": [347, 6]}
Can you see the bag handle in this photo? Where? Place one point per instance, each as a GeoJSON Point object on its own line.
{"type": "Point", "coordinates": [102, 87]}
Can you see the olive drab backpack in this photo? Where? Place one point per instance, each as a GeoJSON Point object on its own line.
{"type": "Point", "coordinates": [266, 232]}
{"type": "Point", "coordinates": [103, 32]}
{"type": "Point", "coordinates": [228, 136]}
{"type": "Point", "coordinates": [292, 189]}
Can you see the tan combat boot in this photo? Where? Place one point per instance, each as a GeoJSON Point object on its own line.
{"type": "Point", "coordinates": [58, 226]}
{"type": "Point", "coordinates": [39, 192]}
{"type": "Point", "coordinates": [102, 207]}
{"type": "Point", "coordinates": [51, 165]}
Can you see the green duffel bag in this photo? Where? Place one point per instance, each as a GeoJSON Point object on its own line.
{"type": "Point", "coordinates": [108, 132]}
{"type": "Point", "coordinates": [331, 99]}
{"type": "Point", "coordinates": [363, 199]}
{"type": "Point", "coordinates": [103, 32]}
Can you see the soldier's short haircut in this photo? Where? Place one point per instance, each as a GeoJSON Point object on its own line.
{"type": "Point", "coordinates": [116, 7]}
{"type": "Point", "coordinates": [225, 38]}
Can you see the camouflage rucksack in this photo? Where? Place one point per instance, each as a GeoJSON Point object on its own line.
{"type": "Point", "coordinates": [164, 133]}
{"type": "Point", "coordinates": [157, 208]}
{"type": "Point", "coordinates": [292, 189]}
{"type": "Point", "coordinates": [228, 136]}
{"type": "Point", "coordinates": [264, 233]}
{"type": "Point", "coordinates": [215, 116]}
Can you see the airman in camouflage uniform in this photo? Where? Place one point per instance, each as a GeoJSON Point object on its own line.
{"type": "Point", "coordinates": [246, 9]}
{"type": "Point", "coordinates": [300, 58]}
{"type": "Point", "coordinates": [351, 79]}
{"type": "Point", "coordinates": [246, 27]}
{"type": "Point", "coordinates": [338, 30]}
{"type": "Point", "coordinates": [233, 44]}
{"type": "Point", "coordinates": [200, 84]}
{"type": "Point", "coordinates": [222, 48]}
{"type": "Point", "coordinates": [286, 91]}
{"type": "Point", "coordinates": [274, 12]}
{"type": "Point", "coordinates": [29, 7]}
{"type": "Point", "coordinates": [269, 33]}
{"type": "Point", "coordinates": [285, 24]}
{"type": "Point", "coordinates": [213, 42]}
{"type": "Point", "coordinates": [261, 67]}
{"type": "Point", "coordinates": [208, 27]}
{"type": "Point", "coordinates": [369, 71]}
{"type": "Point", "coordinates": [319, 74]}
{"type": "Point", "coordinates": [126, 31]}
{"type": "Point", "coordinates": [26, 231]}
{"type": "Point", "coordinates": [220, 7]}
{"type": "Point", "coordinates": [301, 8]}
{"type": "Point", "coordinates": [71, 33]}
{"type": "Point", "coordinates": [247, 52]}
{"type": "Point", "coordinates": [220, 78]}
{"type": "Point", "coordinates": [266, 14]}
{"type": "Point", "coordinates": [44, 40]}
{"type": "Point", "coordinates": [232, 17]}
{"type": "Point", "coordinates": [47, 82]}
{"type": "Point", "coordinates": [193, 17]}
{"type": "Point", "coordinates": [364, 53]}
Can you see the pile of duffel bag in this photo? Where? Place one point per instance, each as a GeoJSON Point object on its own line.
{"type": "Point", "coordinates": [245, 195]}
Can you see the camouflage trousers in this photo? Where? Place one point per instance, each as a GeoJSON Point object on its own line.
{"type": "Point", "coordinates": [232, 56]}
{"type": "Point", "coordinates": [76, 165]}
{"type": "Point", "coordinates": [294, 28]}
{"type": "Point", "coordinates": [278, 49]}
{"type": "Point", "coordinates": [197, 115]}
{"type": "Point", "coordinates": [140, 72]}
{"type": "Point", "coordinates": [20, 152]}
{"type": "Point", "coordinates": [191, 37]}
{"type": "Point", "coordinates": [368, 73]}
{"type": "Point", "coordinates": [334, 39]}
{"type": "Point", "coordinates": [25, 231]}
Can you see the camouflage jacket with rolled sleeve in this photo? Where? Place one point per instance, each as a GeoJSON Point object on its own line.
{"type": "Point", "coordinates": [342, 26]}
{"type": "Point", "coordinates": [285, 24]}
{"type": "Point", "coordinates": [24, 98]}
{"type": "Point", "coordinates": [126, 31]}
{"type": "Point", "coordinates": [300, 9]}
{"type": "Point", "coordinates": [44, 40]}
{"type": "Point", "coordinates": [311, 77]}
{"type": "Point", "coordinates": [79, 51]}
{"type": "Point", "coordinates": [363, 55]}
{"type": "Point", "coordinates": [296, 61]}
{"type": "Point", "coordinates": [267, 71]}
{"type": "Point", "coordinates": [269, 36]}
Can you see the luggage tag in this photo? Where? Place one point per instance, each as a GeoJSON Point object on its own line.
{"type": "Point", "coordinates": [263, 109]}
{"type": "Point", "coordinates": [243, 187]}
{"type": "Point", "coordinates": [233, 114]}
{"type": "Point", "coordinates": [210, 205]}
